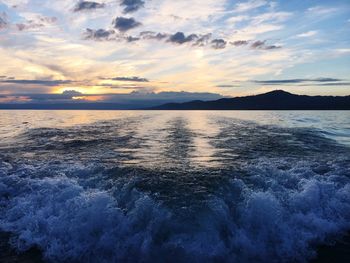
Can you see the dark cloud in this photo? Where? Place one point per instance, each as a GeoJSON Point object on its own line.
{"type": "Point", "coordinates": [131, 5]}
{"type": "Point", "coordinates": [107, 35]}
{"type": "Point", "coordinates": [299, 81]}
{"type": "Point", "coordinates": [45, 97]}
{"type": "Point", "coordinates": [72, 93]}
{"type": "Point", "coordinates": [10, 95]}
{"type": "Point", "coordinates": [177, 38]}
{"type": "Point", "coordinates": [327, 80]}
{"type": "Point", "coordinates": [180, 38]}
{"type": "Point", "coordinates": [218, 43]}
{"type": "Point", "coordinates": [35, 82]}
{"type": "Point", "coordinates": [99, 34]}
{"type": "Point", "coordinates": [197, 40]}
{"type": "Point", "coordinates": [129, 79]}
{"type": "Point", "coordinates": [87, 5]}
{"type": "Point", "coordinates": [124, 24]}
{"type": "Point", "coordinates": [240, 43]}
{"type": "Point", "coordinates": [262, 45]}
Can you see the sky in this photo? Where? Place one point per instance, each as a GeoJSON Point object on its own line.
{"type": "Point", "coordinates": [72, 50]}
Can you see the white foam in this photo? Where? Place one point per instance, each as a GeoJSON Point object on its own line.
{"type": "Point", "coordinates": [271, 213]}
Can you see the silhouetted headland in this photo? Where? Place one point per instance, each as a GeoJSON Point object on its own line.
{"type": "Point", "coordinates": [274, 100]}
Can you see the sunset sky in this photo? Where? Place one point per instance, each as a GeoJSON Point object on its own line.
{"type": "Point", "coordinates": [91, 50]}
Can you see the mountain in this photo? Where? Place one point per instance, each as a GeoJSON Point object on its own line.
{"type": "Point", "coordinates": [274, 100]}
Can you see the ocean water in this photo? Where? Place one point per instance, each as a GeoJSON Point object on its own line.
{"type": "Point", "coordinates": [179, 186]}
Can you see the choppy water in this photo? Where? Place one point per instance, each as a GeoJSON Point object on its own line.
{"type": "Point", "coordinates": [119, 186]}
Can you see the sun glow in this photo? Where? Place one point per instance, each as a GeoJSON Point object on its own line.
{"type": "Point", "coordinates": [90, 98]}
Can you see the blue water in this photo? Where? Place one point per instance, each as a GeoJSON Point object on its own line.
{"type": "Point", "coordinates": [133, 186]}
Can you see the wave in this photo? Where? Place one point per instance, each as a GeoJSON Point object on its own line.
{"type": "Point", "coordinates": [280, 209]}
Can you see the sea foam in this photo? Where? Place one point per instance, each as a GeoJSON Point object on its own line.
{"type": "Point", "coordinates": [272, 213]}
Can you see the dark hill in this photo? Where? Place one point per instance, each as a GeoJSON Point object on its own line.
{"type": "Point", "coordinates": [274, 100]}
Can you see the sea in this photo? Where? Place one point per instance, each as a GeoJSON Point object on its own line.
{"type": "Point", "coordinates": [174, 186]}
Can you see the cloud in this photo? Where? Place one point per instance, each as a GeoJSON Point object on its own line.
{"type": "Point", "coordinates": [226, 86]}
{"type": "Point", "coordinates": [180, 38]}
{"type": "Point", "coordinates": [132, 39]}
{"type": "Point", "coordinates": [135, 99]}
{"type": "Point", "coordinates": [131, 5]}
{"type": "Point", "coordinates": [177, 38]}
{"type": "Point", "coordinates": [71, 93]}
{"type": "Point", "coordinates": [48, 19]}
{"type": "Point", "coordinates": [296, 81]}
{"type": "Point", "coordinates": [342, 51]}
{"type": "Point", "coordinates": [37, 22]}
{"type": "Point", "coordinates": [202, 40]}
{"type": "Point", "coordinates": [42, 97]}
{"type": "Point", "coordinates": [129, 79]}
{"type": "Point", "coordinates": [218, 43]}
{"type": "Point", "coordinates": [99, 34]}
{"type": "Point", "coordinates": [124, 24]}
{"type": "Point", "coordinates": [153, 35]}
{"type": "Point", "coordinates": [107, 35]}
{"type": "Point", "coordinates": [240, 43]}
{"type": "Point", "coordinates": [258, 44]}
{"type": "Point", "coordinates": [196, 40]}
{"type": "Point", "coordinates": [262, 45]}
{"type": "Point", "coordinates": [35, 82]}
{"type": "Point", "coordinates": [307, 34]}
{"type": "Point", "coordinates": [3, 20]}
{"type": "Point", "coordinates": [12, 99]}
{"type": "Point", "coordinates": [87, 5]}
{"type": "Point", "coordinates": [321, 10]}
{"type": "Point", "coordinates": [335, 84]}
{"type": "Point", "coordinates": [249, 5]}
{"type": "Point", "coordinates": [272, 47]}
{"type": "Point", "coordinates": [132, 87]}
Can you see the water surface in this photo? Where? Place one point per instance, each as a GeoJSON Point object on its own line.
{"type": "Point", "coordinates": [158, 186]}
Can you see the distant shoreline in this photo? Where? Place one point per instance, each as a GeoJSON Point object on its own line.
{"type": "Point", "coordinates": [271, 101]}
